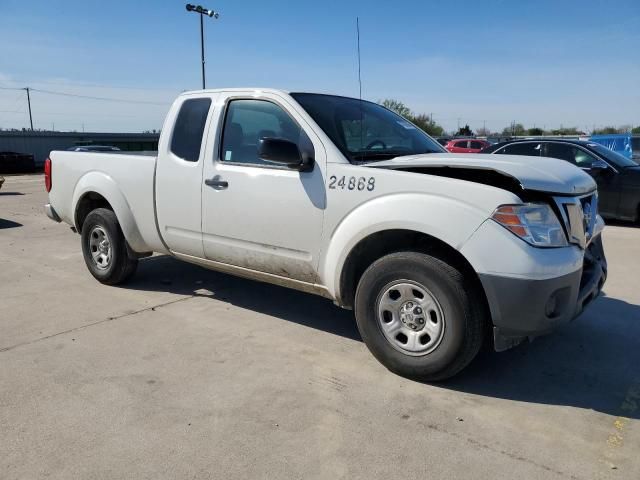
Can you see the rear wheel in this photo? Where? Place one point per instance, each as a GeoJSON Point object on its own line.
{"type": "Point", "coordinates": [105, 248]}
{"type": "Point", "coordinates": [419, 316]}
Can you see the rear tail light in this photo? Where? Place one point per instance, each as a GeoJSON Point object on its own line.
{"type": "Point", "coordinates": [47, 174]}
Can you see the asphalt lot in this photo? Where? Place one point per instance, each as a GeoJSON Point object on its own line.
{"type": "Point", "coordinates": [187, 373]}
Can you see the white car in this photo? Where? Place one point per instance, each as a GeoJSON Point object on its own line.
{"type": "Point", "coordinates": [435, 252]}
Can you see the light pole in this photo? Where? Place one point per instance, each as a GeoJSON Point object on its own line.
{"type": "Point", "coordinates": [202, 11]}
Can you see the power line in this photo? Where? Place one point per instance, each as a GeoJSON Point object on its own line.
{"type": "Point", "coordinates": [106, 99]}
{"type": "Point", "coordinates": [99, 85]}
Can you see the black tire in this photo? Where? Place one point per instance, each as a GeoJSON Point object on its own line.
{"type": "Point", "coordinates": [120, 265]}
{"type": "Point", "coordinates": [458, 300]}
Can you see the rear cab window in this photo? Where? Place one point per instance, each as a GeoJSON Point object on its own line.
{"type": "Point", "coordinates": [188, 130]}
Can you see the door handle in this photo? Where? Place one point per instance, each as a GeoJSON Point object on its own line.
{"type": "Point", "coordinates": [216, 183]}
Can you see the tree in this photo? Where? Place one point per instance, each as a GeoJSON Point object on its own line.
{"type": "Point", "coordinates": [483, 132]}
{"type": "Point", "coordinates": [535, 132]}
{"type": "Point", "coordinates": [397, 106]}
{"type": "Point", "coordinates": [427, 124]}
{"type": "Point", "coordinates": [636, 130]}
{"type": "Point", "coordinates": [605, 131]}
{"type": "Point", "coordinates": [515, 129]}
{"type": "Point", "coordinates": [424, 122]}
{"type": "Point", "coordinates": [566, 131]}
{"type": "Point", "coordinates": [464, 132]}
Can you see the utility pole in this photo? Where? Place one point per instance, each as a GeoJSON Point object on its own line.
{"type": "Point", "coordinates": [29, 103]}
{"type": "Point", "coordinates": [210, 13]}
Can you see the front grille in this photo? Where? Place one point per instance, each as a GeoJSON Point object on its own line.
{"type": "Point", "coordinates": [579, 217]}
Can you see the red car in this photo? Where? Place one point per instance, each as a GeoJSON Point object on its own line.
{"type": "Point", "coordinates": [466, 145]}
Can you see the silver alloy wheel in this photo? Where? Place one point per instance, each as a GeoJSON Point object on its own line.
{"type": "Point", "coordinates": [100, 247]}
{"type": "Point", "coordinates": [410, 317]}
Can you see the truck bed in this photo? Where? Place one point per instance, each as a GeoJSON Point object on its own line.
{"type": "Point", "coordinates": [131, 176]}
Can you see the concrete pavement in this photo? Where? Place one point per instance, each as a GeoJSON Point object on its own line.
{"type": "Point", "coordinates": [187, 373]}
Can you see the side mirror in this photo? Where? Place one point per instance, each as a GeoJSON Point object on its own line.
{"type": "Point", "coordinates": [283, 152]}
{"type": "Point", "coordinates": [599, 166]}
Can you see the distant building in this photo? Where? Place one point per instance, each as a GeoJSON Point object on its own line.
{"type": "Point", "coordinates": [39, 144]}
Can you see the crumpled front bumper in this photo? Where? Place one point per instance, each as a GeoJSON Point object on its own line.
{"type": "Point", "coordinates": [528, 308]}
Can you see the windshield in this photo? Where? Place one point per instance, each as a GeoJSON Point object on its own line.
{"type": "Point", "coordinates": [614, 157]}
{"type": "Point", "coordinates": [365, 131]}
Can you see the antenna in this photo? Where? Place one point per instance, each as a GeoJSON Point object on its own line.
{"type": "Point", "coordinates": [360, 85]}
{"type": "Point", "coordinates": [359, 76]}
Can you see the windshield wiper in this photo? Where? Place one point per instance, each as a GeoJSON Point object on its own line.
{"type": "Point", "coordinates": [378, 155]}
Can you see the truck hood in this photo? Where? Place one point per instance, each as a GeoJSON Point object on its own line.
{"type": "Point", "coordinates": [532, 173]}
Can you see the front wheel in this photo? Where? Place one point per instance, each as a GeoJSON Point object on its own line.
{"type": "Point", "coordinates": [419, 316]}
{"type": "Point", "coordinates": [105, 248]}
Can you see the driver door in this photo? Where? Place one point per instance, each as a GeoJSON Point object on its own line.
{"type": "Point", "coordinates": [255, 214]}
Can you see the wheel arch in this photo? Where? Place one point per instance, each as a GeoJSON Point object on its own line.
{"type": "Point", "coordinates": [86, 204]}
{"type": "Point", "coordinates": [98, 190]}
{"type": "Point", "coordinates": [384, 242]}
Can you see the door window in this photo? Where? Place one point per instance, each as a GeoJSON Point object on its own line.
{"type": "Point", "coordinates": [562, 151]}
{"type": "Point", "coordinates": [582, 158]}
{"type": "Point", "coordinates": [475, 145]}
{"type": "Point", "coordinates": [526, 148]}
{"type": "Point", "coordinates": [248, 121]}
{"type": "Point", "coordinates": [189, 128]}
{"type": "Point", "coordinates": [461, 144]}
{"type": "Point", "coordinates": [570, 153]}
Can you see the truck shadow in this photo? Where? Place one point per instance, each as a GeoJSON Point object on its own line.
{"type": "Point", "coordinates": [4, 223]}
{"type": "Point", "coordinates": [164, 273]}
{"type": "Point", "coordinates": [591, 363]}
{"type": "Point", "coordinates": [622, 223]}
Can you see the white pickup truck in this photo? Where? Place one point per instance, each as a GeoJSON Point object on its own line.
{"type": "Point", "coordinates": [437, 253]}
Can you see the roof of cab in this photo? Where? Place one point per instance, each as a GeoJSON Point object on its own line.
{"type": "Point", "coordinates": [246, 89]}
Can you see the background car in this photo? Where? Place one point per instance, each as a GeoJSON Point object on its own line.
{"type": "Point", "coordinates": [617, 176]}
{"type": "Point", "coordinates": [14, 162]}
{"type": "Point", "coordinates": [466, 145]}
{"type": "Point", "coordinates": [93, 148]}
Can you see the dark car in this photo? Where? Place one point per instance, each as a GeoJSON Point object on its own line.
{"type": "Point", "coordinates": [93, 148]}
{"type": "Point", "coordinates": [14, 162]}
{"type": "Point", "coordinates": [618, 177]}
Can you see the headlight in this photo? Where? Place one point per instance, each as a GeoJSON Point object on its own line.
{"type": "Point", "coordinates": [535, 223]}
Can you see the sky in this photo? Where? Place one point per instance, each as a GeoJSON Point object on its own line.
{"type": "Point", "coordinates": [545, 63]}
